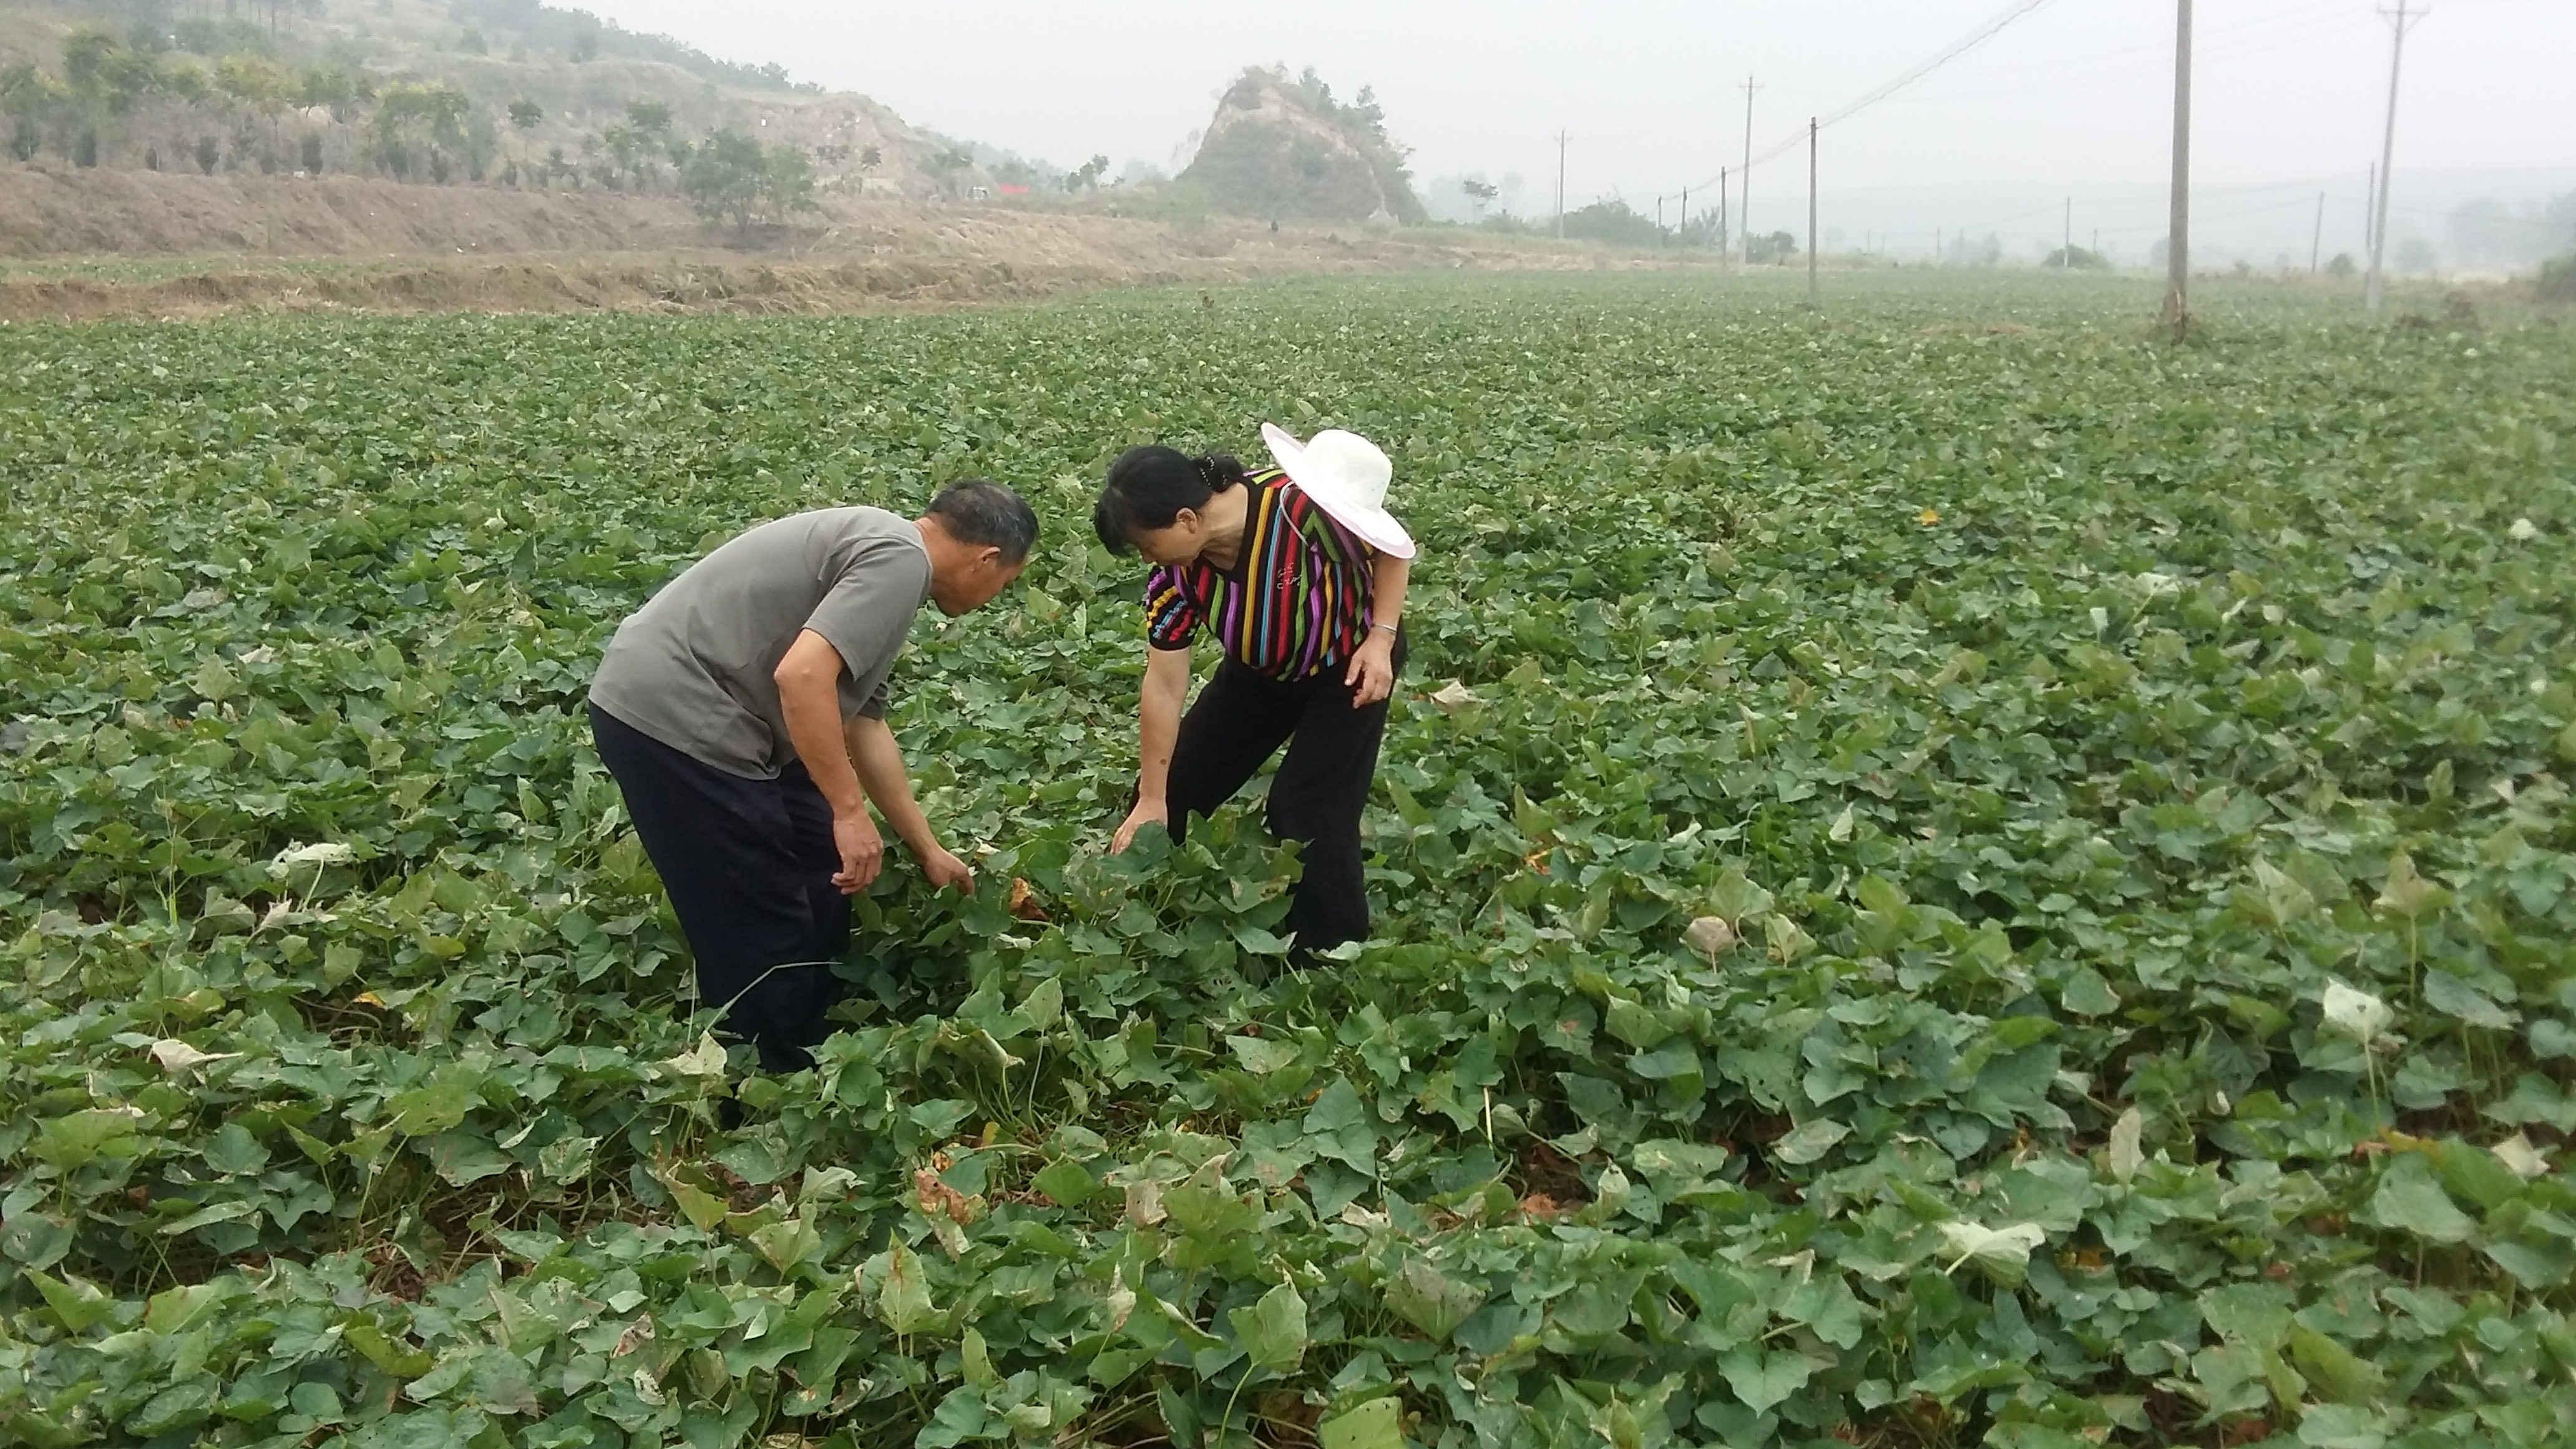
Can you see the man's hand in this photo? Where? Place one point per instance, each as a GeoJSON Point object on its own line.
{"type": "Point", "coordinates": [1371, 675]}
{"type": "Point", "coordinates": [862, 852]}
{"type": "Point", "coordinates": [946, 871]}
{"type": "Point", "coordinates": [1153, 812]}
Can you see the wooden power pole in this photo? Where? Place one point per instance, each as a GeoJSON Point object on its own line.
{"type": "Point", "coordinates": [2178, 231]}
{"type": "Point", "coordinates": [2374, 294]}
{"type": "Point", "coordinates": [1744, 178]}
{"type": "Point", "coordinates": [1812, 299]}
{"type": "Point", "coordinates": [1560, 186]}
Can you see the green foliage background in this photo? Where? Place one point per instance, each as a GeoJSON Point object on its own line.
{"type": "Point", "coordinates": [2061, 722]}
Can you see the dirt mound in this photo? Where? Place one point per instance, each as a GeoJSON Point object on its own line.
{"type": "Point", "coordinates": [99, 243]}
{"type": "Point", "coordinates": [907, 257]}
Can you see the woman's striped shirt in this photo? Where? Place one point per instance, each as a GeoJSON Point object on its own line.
{"type": "Point", "coordinates": [1296, 602]}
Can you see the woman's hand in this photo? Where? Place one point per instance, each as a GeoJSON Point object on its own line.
{"type": "Point", "coordinates": [1147, 812]}
{"type": "Point", "coordinates": [1371, 675]}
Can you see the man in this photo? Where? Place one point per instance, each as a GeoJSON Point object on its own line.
{"type": "Point", "coordinates": [742, 713]}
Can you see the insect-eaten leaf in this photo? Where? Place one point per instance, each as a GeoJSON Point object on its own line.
{"type": "Point", "coordinates": [2356, 1014]}
{"type": "Point", "coordinates": [1376, 1424]}
{"type": "Point", "coordinates": [2001, 1253]}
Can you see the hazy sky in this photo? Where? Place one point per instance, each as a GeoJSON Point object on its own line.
{"type": "Point", "coordinates": [2075, 95]}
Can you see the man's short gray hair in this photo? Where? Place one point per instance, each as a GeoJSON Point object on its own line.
{"type": "Point", "coordinates": [982, 512]}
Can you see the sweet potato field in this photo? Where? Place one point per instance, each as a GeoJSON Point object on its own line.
{"type": "Point", "coordinates": [1946, 874]}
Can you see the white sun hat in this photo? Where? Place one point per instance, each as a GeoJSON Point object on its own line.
{"type": "Point", "coordinates": [1346, 475]}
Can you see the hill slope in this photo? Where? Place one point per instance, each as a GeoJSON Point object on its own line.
{"type": "Point", "coordinates": [1285, 148]}
{"type": "Point", "coordinates": [510, 91]}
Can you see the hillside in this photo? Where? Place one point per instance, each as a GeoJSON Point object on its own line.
{"type": "Point", "coordinates": [1283, 148]}
{"type": "Point", "coordinates": [509, 92]}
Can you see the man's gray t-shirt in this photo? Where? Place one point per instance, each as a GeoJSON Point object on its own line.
{"type": "Point", "coordinates": [693, 668]}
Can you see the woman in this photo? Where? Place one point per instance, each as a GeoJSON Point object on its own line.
{"type": "Point", "coordinates": [1299, 573]}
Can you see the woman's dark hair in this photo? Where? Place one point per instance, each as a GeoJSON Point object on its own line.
{"type": "Point", "coordinates": [1149, 486]}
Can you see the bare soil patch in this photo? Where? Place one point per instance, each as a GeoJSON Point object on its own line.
{"type": "Point", "coordinates": [99, 244]}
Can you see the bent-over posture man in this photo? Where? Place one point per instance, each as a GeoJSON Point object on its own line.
{"type": "Point", "coordinates": [742, 712]}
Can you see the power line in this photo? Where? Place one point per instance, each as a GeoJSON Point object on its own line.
{"type": "Point", "coordinates": [1979, 36]}
{"type": "Point", "coordinates": [2282, 28]}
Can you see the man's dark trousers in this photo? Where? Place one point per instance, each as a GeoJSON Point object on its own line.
{"type": "Point", "coordinates": [749, 866]}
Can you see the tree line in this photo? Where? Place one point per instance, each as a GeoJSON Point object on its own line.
{"type": "Point", "coordinates": [128, 102]}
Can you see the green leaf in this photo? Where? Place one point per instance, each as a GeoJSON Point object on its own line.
{"type": "Point", "coordinates": [1273, 1331]}
{"type": "Point", "coordinates": [1763, 1378]}
{"type": "Point", "coordinates": [213, 681]}
{"type": "Point", "coordinates": [234, 1151]}
{"type": "Point", "coordinates": [2453, 996]}
{"type": "Point", "coordinates": [401, 1361]}
{"type": "Point", "coordinates": [1431, 1300]}
{"type": "Point", "coordinates": [2258, 1314]}
{"type": "Point", "coordinates": [181, 1406]}
{"type": "Point", "coordinates": [2087, 994]}
{"type": "Point", "coordinates": [1044, 1005]}
{"type": "Point", "coordinates": [788, 1244]}
{"type": "Point", "coordinates": [1810, 1140]}
{"type": "Point", "coordinates": [1066, 1183]}
{"type": "Point", "coordinates": [77, 1303]}
{"type": "Point", "coordinates": [1734, 898]}
{"type": "Point", "coordinates": [2406, 894]}
{"type": "Point", "coordinates": [975, 1362]}
{"type": "Point", "coordinates": [1634, 1024]}
{"type": "Point", "coordinates": [2473, 1174]}
{"type": "Point", "coordinates": [2343, 1426]}
{"type": "Point", "coordinates": [2125, 1152]}
{"type": "Point", "coordinates": [79, 1137]}
{"type": "Point", "coordinates": [703, 1209]}
{"type": "Point", "coordinates": [2336, 1370]}
{"type": "Point", "coordinates": [1338, 1126]}
{"type": "Point", "coordinates": [2409, 1200]}
{"type": "Point", "coordinates": [1376, 1424]}
{"type": "Point", "coordinates": [903, 1299]}
{"type": "Point", "coordinates": [1261, 1055]}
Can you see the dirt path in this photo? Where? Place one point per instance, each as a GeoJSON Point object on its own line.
{"type": "Point", "coordinates": [94, 245]}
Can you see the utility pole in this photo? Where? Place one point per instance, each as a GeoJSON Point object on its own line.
{"type": "Point", "coordinates": [2317, 243]}
{"type": "Point", "coordinates": [2369, 207]}
{"type": "Point", "coordinates": [1744, 178]}
{"type": "Point", "coordinates": [1560, 185]}
{"type": "Point", "coordinates": [1685, 226]}
{"type": "Point", "coordinates": [1812, 300]}
{"type": "Point", "coordinates": [1659, 221]}
{"type": "Point", "coordinates": [2178, 234]}
{"type": "Point", "coordinates": [1722, 233]}
{"type": "Point", "coordinates": [2376, 292]}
